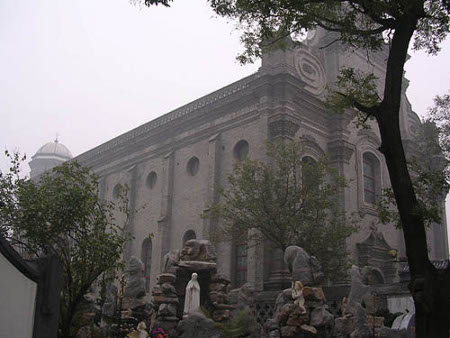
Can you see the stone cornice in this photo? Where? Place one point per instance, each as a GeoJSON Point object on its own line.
{"type": "Point", "coordinates": [370, 136]}
{"type": "Point", "coordinates": [241, 100]}
{"type": "Point", "coordinates": [340, 150]}
{"type": "Point", "coordinates": [147, 128]}
{"type": "Point", "coordinates": [283, 125]}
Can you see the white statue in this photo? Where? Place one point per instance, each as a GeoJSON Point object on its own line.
{"type": "Point", "coordinates": [192, 298]}
{"type": "Point", "coordinates": [297, 295]}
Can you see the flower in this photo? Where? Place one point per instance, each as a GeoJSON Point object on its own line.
{"type": "Point", "coordinates": [160, 333]}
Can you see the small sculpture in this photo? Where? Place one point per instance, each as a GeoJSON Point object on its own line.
{"type": "Point", "coordinates": [140, 332]}
{"type": "Point", "coordinates": [192, 298]}
{"type": "Point", "coordinates": [297, 295]}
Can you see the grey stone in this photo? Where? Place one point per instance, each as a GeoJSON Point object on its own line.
{"type": "Point", "coordinates": [283, 297]}
{"type": "Point", "coordinates": [297, 317]}
{"type": "Point", "coordinates": [110, 304]}
{"type": "Point", "coordinates": [289, 331]}
{"type": "Point", "coordinates": [358, 288]}
{"type": "Point", "coordinates": [274, 334]}
{"type": "Point", "coordinates": [135, 287]}
{"type": "Point", "coordinates": [385, 332]}
{"type": "Point", "coordinates": [243, 298]}
{"type": "Point", "coordinates": [270, 325]}
{"type": "Point", "coordinates": [166, 278]}
{"type": "Point", "coordinates": [308, 329]}
{"type": "Point", "coordinates": [171, 260]}
{"type": "Point", "coordinates": [220, 287]}
{"type": "Point", "coordinates": [168, 289]}
{"type": "Point", "coordinates": [165, 299]}
{"type": "Point", "coordinates": [302, 266]}
{"type": "Point", "coordinates": [198, 250]}
{"type": "Point", "coordinates": [218, 297]}
{"type": "Point", "coordinates": [198, 265]}
{"type": "Point", "coordinates": [220, 278]}
{"type": "Point", "coordinates": [196, 325]}
{"type": "Point", "coordinates": [344, 325]}
{"type": "Point", "coordinates": [320, 317]}
{"type": "Point", "coordinates": [362, 328]}
{"type": "Point", "coordinates": [167, 310]}
{"type": "Point", "coordinates": [283, 315]}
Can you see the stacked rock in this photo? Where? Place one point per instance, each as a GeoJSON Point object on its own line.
{"type": "Point", "coordinates": [301, 311]}
{"type": "Point", "coordinates": [165, 303]}
{"type": "Point", "coordinates": [243, 298]}
{"type": "Point", "coordinates": [218, 294]}
{"type": "Point", "coordinates": [358, 320]}
{"type": "Point", "coordinates": [133, 303]}
{"type": "Point", "coordinates": [292, 320]}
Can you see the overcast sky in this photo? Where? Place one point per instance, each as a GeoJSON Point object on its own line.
{"type": "Point", "coordinates": [89, 70]}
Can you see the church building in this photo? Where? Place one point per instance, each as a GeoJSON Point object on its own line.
{"type": "Point", "coordinates": [175, 164]}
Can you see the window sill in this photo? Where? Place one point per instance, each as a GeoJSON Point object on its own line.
{"type": "Point", "coordinates": [368, 209]}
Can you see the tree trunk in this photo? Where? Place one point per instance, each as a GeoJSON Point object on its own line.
{"type": "Point", "coordinates": [429, 287]}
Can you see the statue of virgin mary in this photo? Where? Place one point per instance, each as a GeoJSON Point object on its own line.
{"type": "Point", "coordinates": [192, 298]}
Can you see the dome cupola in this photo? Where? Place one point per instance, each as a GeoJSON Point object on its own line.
{"type": "Point", "coordinates": [47, 157]}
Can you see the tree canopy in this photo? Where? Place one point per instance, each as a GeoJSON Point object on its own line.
{"type": "Point", "coordinates": [62, 214]}
{"type": "Point", "coordinates": [440, 115]}
{"type": "Point", "coordinates": [427, 166]}
{"type": "Point", "coordinates": [291, 199]}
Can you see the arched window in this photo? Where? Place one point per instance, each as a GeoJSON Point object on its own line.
{"type": "Point", "coordinates": [309, 177]}
{"type": "Point", "coordinates": [371, 178]}
{"type": "Point", "coordinates": [146, 256]}
{"type": "Point", "coordinates": [188, 235]}
{"type": "Point", "coordinates": [241, 150]}
{"type": "Point", "coordinates": [241, 253]}
{"type": "Point", "coordinates": [151, 180]}
{"type": "Point", "coordinates": [193, 166]}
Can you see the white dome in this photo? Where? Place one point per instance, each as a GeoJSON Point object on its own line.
{"type": "Point", "coordinates": [53, 149]}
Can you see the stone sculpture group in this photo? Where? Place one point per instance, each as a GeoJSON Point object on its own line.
{"type": "Point", "coordinates": [190, 280]}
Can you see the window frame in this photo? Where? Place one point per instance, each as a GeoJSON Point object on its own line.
{"type": "Point", "coordinates": [240, 269]}
{"type": "Point", "coordinates": [371, 180]}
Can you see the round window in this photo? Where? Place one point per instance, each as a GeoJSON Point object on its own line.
{"type": "Point", "coordinates": [151, 180]}
{"type": "Point", "coordinates": [241, 150]}
{"type": "Point", "coordinates": [193, 166]}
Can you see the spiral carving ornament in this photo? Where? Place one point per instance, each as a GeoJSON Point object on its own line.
{"type": "Point", "coordinates": [310, 70]}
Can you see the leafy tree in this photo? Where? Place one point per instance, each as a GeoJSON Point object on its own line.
{"type": "Point", "coordinates": [440, 115]}
{"type": "Point", "coordinates": [62, 214]}
{"type": "Point", "coordinates": [290, 200]}
{"type": "Point", "coordinates": [368, 24]}
{"type": "Point", "coordinates": [427, 166]}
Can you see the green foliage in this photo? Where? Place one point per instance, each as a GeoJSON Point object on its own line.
{"type": "Point", "coordinates": [353, 88]}
{"type": "Point", "coordinates": [288, 201]}
{"type": "Point", "coordinates": [242, 325]}
{"type": "Point", "coordinates": [430, 181]}
{"type": "Point", "coordinates": [61, 214]}
{"type": "Point", "coordinates": [440, 115]}
{"type": "Point", "coordinates": [433, 26]}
